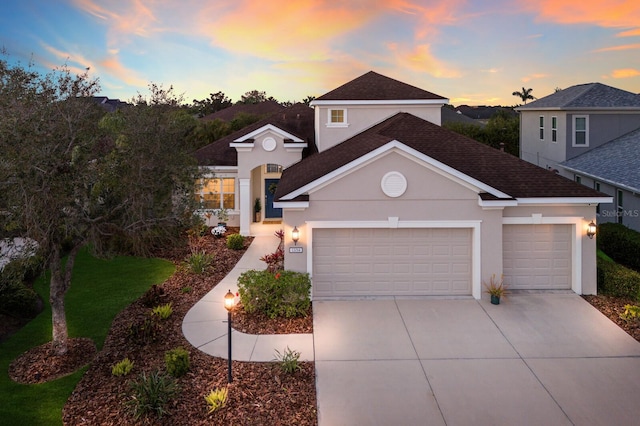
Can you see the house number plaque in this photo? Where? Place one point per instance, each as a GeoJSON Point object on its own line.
{"type": "Point", "coordinates": [295, 249]}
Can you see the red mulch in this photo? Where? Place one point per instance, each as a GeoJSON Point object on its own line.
{"type": "Point", "coordinates": [260, 393]}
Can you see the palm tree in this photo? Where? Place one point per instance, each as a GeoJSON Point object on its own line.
{"type": "Point", "coordinates": [524, 95]}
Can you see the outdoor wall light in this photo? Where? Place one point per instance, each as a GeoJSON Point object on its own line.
{"type": "Point", "coordinates": [295, 235]}
{"type": "Point", "coordinates": [591, 230]}
{"type": "Point", "coordinates": [229, 302]}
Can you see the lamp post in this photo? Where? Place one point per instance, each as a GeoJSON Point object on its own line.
{"type": "Point", "coordinates": [228, 304]}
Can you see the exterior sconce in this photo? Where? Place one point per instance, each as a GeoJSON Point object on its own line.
{"type": "Point", "coordinates": [591, 230]}
{"type": "Point", "coordinates": [295, 235]}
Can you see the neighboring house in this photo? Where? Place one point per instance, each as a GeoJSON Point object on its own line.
{"type": "Point", "coordinates": [110, 105]}
{"type": "Point", "coordinates": [589, 133]}
{"type": "Point", "coordinates": [388, 203]}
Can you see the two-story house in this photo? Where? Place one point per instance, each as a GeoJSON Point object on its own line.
{"type": "Point", "coordinates": [589, 133]}
{"type": "Point", "coordinates": [376, 199]}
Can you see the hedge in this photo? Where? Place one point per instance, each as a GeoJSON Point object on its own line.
{"type": "Point", "coordinates": [283, 294]}
{"type": "Point", "coordinates": [620, 243]}
{"type": "Point", "coordinates": [616, 280]}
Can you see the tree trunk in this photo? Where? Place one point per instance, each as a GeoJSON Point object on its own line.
{"type": "Point", "coordinates": [60, 283]}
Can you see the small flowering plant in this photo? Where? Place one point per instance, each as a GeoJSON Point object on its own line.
{"type": "Point", "coordinates": [218, 231]}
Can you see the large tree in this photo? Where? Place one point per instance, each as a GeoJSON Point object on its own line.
{"type": "Point", "coordinates": [215, 102]}
{"type": "Point", "coordinates": [72, 176]}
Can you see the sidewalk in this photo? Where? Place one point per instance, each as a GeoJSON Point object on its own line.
{"type": "Point", "coordinates": [205, 325]}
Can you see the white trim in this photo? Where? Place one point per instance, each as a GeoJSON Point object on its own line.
{"type": "Point", "coordinates": [491, 204]}
{"type": "Point", "coordinates": [394, 145]}
{"type": "Point", "coordinates": [245, 203]}
{"type": "Point", "coordinates": [294, 146]}
{"type": "Point", "coordinates": [564, 200]}
{"type": "Point", "coordinates": [291, 204]}
{"type": "Point", "coordinates": [242, 147]}
{"type": "Point", "coordinates": [229, 169]}
{"type": "Point", "coordinates": [577, 233]}
{"type": "Point", "coordinates": [393, 222]}
{"type": "Point", "coordinates": [380, 102]}
{"type": "Point", "coordinates": [266, 128]}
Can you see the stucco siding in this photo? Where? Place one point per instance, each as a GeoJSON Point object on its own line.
{"type": "Point", "coordinates": [602, 129]}
{"type": "Point", "coordinates": [544, 153]}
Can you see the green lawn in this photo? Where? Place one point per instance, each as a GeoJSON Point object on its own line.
{"type": "Point", "coordinates": [100, 289]}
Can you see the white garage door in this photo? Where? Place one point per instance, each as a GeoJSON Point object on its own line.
{"type": "Point", "coordinates": [391, 262]}
{"type": "Point", "coordinates": [537, 256]}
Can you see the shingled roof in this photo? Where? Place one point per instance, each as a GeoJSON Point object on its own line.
{"type": "Point", "coordinates": [374, 86]}
{"type": "Point", "coordinates": [614, 162]}
{"type": "Point", "coordinates": [296, 119]}
{"type": "Point", "coordinates": [591, 95]}
{"type": "Point", "coordinates": [497, 169]}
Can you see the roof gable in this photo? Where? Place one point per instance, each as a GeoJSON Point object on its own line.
{"type": "Point", "coordinates": [376, 87]}
{"type": "Point", "coordinates": [296, 121]}
{"type": "Point", "coordinates": [498, 173]}
{"type": "Point", "coordinates": [591, 95]}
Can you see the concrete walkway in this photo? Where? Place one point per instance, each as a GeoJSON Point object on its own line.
{"type": "Point", "coordinates": [538, 359]}
{"type": "Point", "coordinates": [205, 325]}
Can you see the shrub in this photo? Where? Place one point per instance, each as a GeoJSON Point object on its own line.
{"type": "Point", "coordinates": [617, 280]}
{"type": "Point", "coordinates": [631, 313]}
{"type": "Point", "coordinates": [285, 294]}
{"type": "Point", "coordinates": [216, 399]}
{"type": "Point", "coordinates": [151, 393]}
{"type": "Point", "coordinates": [162, 311]}
{"type": "Point", "coordinates": [235, 242]}
{"type": "Point", "coordinates": [153, 296]}
{"type": "Point", "coordinates": [144, 332]}
{"type": "Point", "coordinates": [16, 298]}
{"type": "Point", "coordinates": [122, 368]}
{"type": "Point", "coordinates": [288, 360]}
{"type": "Point", "coordinates": [199, 262]}
{"type": "Point", "coordinates": [620, 243]}
{"type": "Point", "coordinates": [275, 260]}
{"type": "Point", "coordinates": [177, 361]}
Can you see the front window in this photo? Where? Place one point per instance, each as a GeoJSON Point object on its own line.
{"type": "Point", "coordinates": [217, 193]}
{"type": "Point", "coordinates": [541, 128]}
{"type": "Point", "coordinates": [273, 168]}
{"type": "Point", "coordinates": [581, 130]}
{"type": "Point", "coordinates": [554, 129]}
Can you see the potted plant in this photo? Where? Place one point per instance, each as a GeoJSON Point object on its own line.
{"type": "Point", "coordinates": [257, 208]}
{"type": "Point", "coordinates": [495, 288]}
{"type": "Point", "coordinates": [223, 216]}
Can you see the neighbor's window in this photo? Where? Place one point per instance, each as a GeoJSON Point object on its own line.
{"type": "Point", "coordinates": [337, 118]}
{"type": "Point", "coordinates": [620, 203]}
{"type": "Point", "coordinates": [541, 128]}
{"type": "Point", "coordinates": [217, 193]}
{"type": "Point", "coordinates": [554, 129]}
{"type": "Point", "coordinates": [577, 178]}
{"type": "Point", "coordinates": [581, 130]}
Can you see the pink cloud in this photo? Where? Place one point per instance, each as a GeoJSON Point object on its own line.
{"type": "Point", "coordinates": [612, 13]}
{"type": "Point", "coordinates": [625, 73]}
{"type": "Point", "coordinates": [617, 48]}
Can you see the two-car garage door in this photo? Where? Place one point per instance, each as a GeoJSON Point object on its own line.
{"type": "Point", "coordinates": [391, 262]}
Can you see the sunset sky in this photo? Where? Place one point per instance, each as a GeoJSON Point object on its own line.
{"type": "Point", "coordinates": [472, 52]}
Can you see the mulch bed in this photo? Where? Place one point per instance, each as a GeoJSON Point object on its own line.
{"type": "Point", "coordinates": [612, 307]}
{"type": "Point", "coordinates": [260, 394]}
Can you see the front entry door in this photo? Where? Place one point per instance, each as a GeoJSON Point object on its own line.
{"type": "Point", "coordinates": [269, 190]}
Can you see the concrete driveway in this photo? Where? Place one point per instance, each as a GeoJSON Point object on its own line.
{"type": "Point", "coordinates": [536, 359]}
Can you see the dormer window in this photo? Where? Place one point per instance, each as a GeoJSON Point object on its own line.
{"type": "Point", "coordinates": [337, 118]}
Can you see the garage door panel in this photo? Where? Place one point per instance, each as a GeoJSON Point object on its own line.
{"type": "Point", "coordinates": [537, 256]}
{"type": "Point", "coordinates": [396, 262]}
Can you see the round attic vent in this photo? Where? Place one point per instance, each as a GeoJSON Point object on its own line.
{"type": "Point", "coordinates": [269, 144]}
{"type": "Point", "coordinates": [393, 184]}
